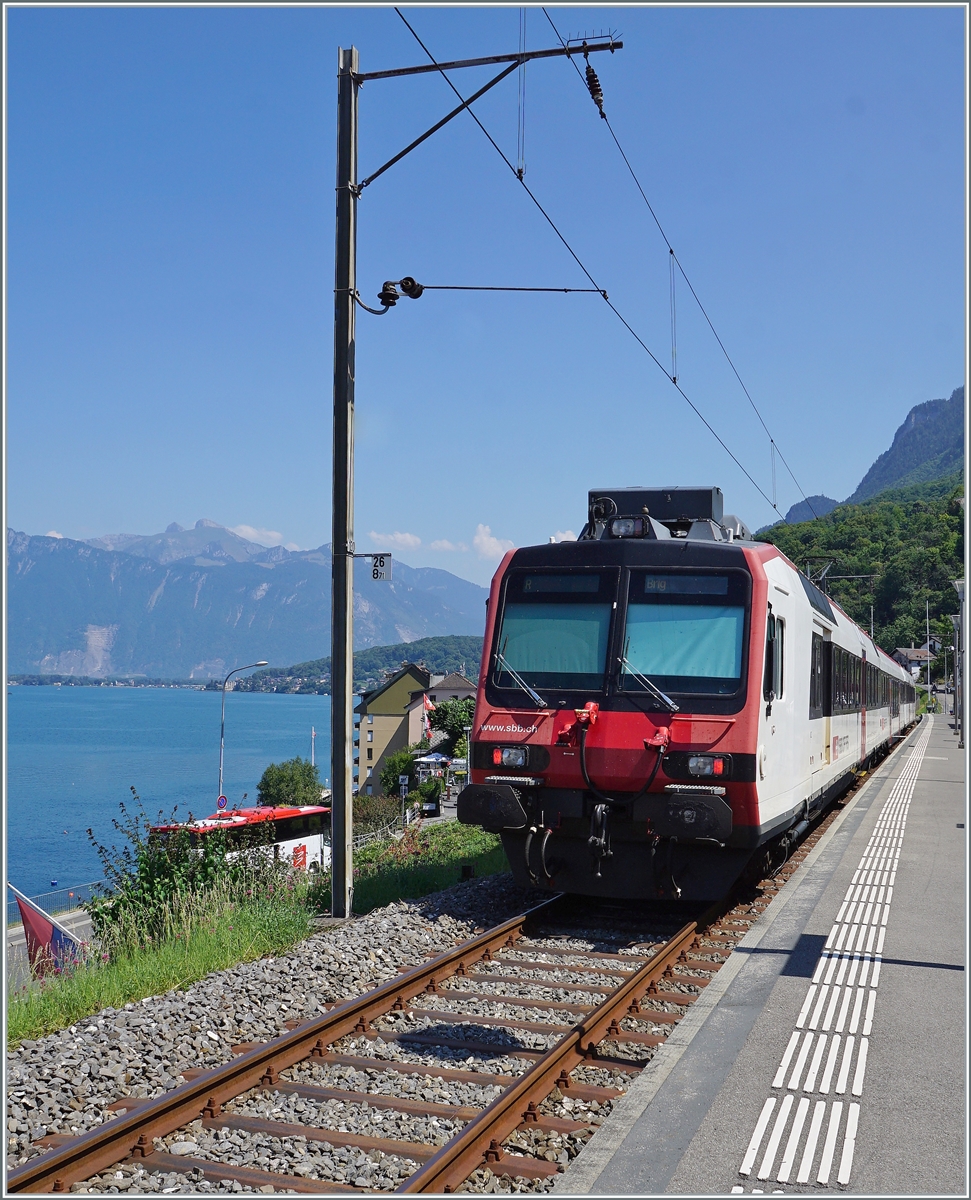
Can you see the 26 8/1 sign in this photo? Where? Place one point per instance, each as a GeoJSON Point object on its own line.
{"type": "Point", "coordinates": [381, 567]}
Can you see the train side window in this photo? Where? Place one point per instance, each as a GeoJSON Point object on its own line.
{"type": "Point", "coordinates": [768, 675]}
{"type": "Point", "coordinates": [816, 678]}
{"type": "Point", "coordinates": [779, 659]}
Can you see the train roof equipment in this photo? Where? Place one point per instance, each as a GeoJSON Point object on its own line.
{"type": "Point", "coordinates": [695, 513]}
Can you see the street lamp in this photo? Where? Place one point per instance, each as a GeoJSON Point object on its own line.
{"type": "Point", "coordinates": [959, 663]}
{"type": "Point", "coordinates": [222, 723]}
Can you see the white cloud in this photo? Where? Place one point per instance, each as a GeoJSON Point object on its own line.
{"type": "Point", "coordinates": [444, 544]}
{"type": "Point", "coordinates": [399, 541]}
{"type": "Point", "coordinates": [564, 535]}
{"type": "Point", "coordinates": [291, 546]}
{"type": "Point", "coordinates": [488, 546]}
{"type": "Point", "coordinates": [263, 537]}
{"type": "Point", "coordinates": [53, 533]}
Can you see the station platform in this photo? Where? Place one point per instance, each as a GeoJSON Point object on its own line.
{"type": "Point", "coordinates": [828, 1055]}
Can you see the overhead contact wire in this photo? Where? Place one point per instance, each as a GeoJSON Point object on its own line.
{"type": "Point", "coordinates": [704, 313]}
{"type": "Point", "coordinates": [613, 308]}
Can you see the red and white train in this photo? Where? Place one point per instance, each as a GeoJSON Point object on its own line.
{"type": "Point", "coordinates": [665, 700]}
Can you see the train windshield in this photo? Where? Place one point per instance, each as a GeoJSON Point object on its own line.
{"type": "Point", "coordinates": [555, 630]}
{"type": "Point", "coordinates": [685, 632]}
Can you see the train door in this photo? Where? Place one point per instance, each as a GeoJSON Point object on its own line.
{"type": "Point", "coordinates": [864, 696]}
{"type": "Point", "coordinates": [820, 708]}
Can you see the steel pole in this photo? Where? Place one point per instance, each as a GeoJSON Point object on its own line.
{"type": "Point", "coordinates": [342, 587]}
{"type": "Point", "coordinates": [222, 736]}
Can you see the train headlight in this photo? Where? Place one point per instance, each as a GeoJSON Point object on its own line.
{"type": "Point", "coordinates": [509, 756]}
{"type": "Point", "coordinates": [628, 527]}
{"type": "Point", "coordinates": [705, 764]}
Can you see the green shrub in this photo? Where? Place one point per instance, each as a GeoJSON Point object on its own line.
{"type": "Point", "coordinates": [402, 762]}
{"type": "Point", "coordinates": [372, 813]}
{"type": "Point", "coordinates": [295, 781]}
{"type": "Point", "coordinates": [163, 863]}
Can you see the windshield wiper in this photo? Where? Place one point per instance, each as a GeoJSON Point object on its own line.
{"type": "Point", "coordinates": [646, 683]}
{"type": "Point", "coordinates": [536, 698]}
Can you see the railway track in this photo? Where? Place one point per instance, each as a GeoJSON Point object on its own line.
{"type": "Point", "coordinates": [497, 1058]}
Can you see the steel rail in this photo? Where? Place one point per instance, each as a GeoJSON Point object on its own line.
{"type": "Point", "coordinates": [482, 1137]}
{"type": "Point", "coordinates": [132, 1134]}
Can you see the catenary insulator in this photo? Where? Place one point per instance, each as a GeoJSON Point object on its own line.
{"type": "Point", "coordinates": [596, 91]}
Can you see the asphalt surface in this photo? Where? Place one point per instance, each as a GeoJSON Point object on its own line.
{"type": "Point", "coordinates": [690, 1119]}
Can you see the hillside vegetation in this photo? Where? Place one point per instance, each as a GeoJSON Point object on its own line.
{"type": "Point", "coordinates": [929, 445]}
{"type": "Point", "coordinates": [440, 655]}
{"type": "Point", "coordinates": [911, 538]}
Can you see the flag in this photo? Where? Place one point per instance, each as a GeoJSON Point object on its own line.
{"type": "Point", "coordinates": [429, 707]}
{"type": "Point", "coordinates": [49, 945]}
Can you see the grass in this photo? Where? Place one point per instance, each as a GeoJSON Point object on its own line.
{"type": "Point", "coordinates": [423, 861]}
{"type": "Point", "coordinates": [205, 932]}
{"type": "Point", "coordinates": [221, 926]}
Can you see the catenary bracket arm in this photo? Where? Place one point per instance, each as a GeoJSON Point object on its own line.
{"type": "Point", "coordinates": [436, 127]}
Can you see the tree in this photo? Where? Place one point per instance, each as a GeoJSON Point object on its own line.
{"type": "Point", "coordinates": [452, 717]}
{"type": "Point", "coordinates": [402, 762]}
{"type": "Point", "coordinates": [295, 781]}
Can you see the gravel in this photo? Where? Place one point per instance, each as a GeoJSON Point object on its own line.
{"type": "Point", "coordinates": [392, 1083]}
{"type": "Point", "coordinates": [347, 1117]}
{"type": "Point", "coordinates": [62, 1083]}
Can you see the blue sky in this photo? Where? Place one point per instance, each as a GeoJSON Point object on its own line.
{"type": "Point", "coordinates": [170, 230]}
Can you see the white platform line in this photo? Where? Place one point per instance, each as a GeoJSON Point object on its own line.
{"type": "Point", "coordinates": [786, 1060]}
{"type": "Point", "coordinates": [860, 1067]}
{"type": "Point", "coordinates": [775, 1138]}
{"type": "Point", "coordinates": [845, 1066]}
{"type": "Point", "coordinates": [830, 1065]}
{"type": "Point", "coordinates": [792, 1145]}
{"type": "Point", "coordinates": [841, 1019]}
{"type": "Point", "coordinates": [834, 1000]}
{"type": "Point", "coordinates": [800, 1062]}
{"type": "Point", "coordinates": [852, 953]}
{"type": "Point", "coordinates": [806, 1166]}
{"type": "Point", "coordinates": [868, 1019]}
{"type": "Point", "coordinates": [849, 1144]}
{"type": "Point", "coordinates": [810, 1082]}
{"type": "Point", "coordinates": [857, 1009]}
{"type": "Point", "coordinates": [753, 1146]}
{"type": "Point", "coordinates": [829, 1146]}
{"type": "Point", "coordinates": [814, 1019]}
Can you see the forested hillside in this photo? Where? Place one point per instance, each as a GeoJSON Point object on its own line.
{"type": "Point", "coordinates": [929, 445]}
{"type": "Point", "coordinates": [911, 538]}
{"type": "Point", "coordinates": [440, 655]}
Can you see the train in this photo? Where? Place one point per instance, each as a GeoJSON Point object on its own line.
{"type": "Point", "coordinates": [665, 704]}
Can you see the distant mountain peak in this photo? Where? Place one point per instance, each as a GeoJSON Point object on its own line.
{"type": "Point", "coordinates": [175, 527]}
{"type": "Point", "coordinates": [202, 523]}
{"type": "Point", "coordinates": [929, 444]}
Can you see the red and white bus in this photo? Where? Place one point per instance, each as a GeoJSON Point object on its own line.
{"type": "Point", "coordinates": [300, 834]}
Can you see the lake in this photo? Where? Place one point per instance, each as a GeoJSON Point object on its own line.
{"type": "Point", "coordinates": [73, 754]}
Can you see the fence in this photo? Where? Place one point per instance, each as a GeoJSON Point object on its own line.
{"type": "Point", "coordinates": [411, 814]}
{"type": "Point", "coordinates": [60, 901]}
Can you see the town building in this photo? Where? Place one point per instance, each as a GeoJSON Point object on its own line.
{"type": "Point", "coordinates": [382, 722]}
{"type": "Point", "coordinates": [441, 687]}
{"type": "Point", "coordinates": [914, 659]}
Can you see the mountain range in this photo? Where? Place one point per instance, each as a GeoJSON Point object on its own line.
{"type": "Point", "coordinates": [195, 603]}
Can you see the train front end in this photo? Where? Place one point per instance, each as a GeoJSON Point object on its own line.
{"type": "Point", "coordinates": [614, 744]}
